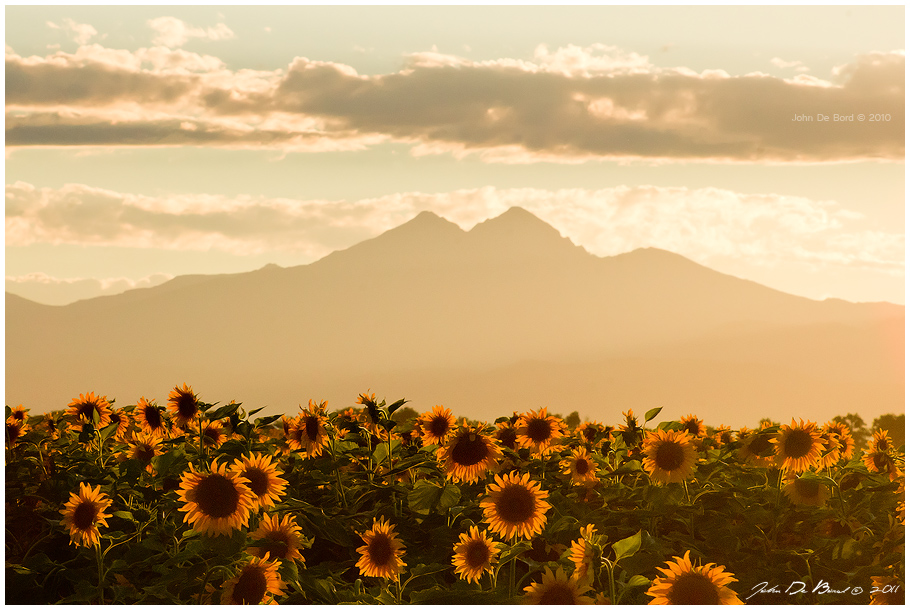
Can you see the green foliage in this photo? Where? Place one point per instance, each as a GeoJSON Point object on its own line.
{"type": "Point", "coordinates": [893, 425]}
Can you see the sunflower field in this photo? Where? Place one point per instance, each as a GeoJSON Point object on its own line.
{"type": "Point", "coordinates": [192, 502]}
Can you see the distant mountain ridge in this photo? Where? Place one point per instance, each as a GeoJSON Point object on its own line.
{"type": "Point", "coordinates": [428, 300]}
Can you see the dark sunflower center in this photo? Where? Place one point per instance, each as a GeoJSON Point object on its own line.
{"type": "Point", "coordinates": [557, 593]}
{"type": "Point", "coordinates": [581, 466]}
{"type": "Point", "coordinates": [259, 480]}
{"type": "Point", "coordinates": [84, 515]}
{"type": "Point", "coordinates": [798, 444]}
{"type": "Point", "coordinates": [881, 444]}
{"type": "Point", "coordinates": [589, 434]}
{"type": "Point", "coordinates": [152, 417]}
{"type": "Point", "coordinates": [216, 496]}
{"type": "Point", "coordinates": [469, 449]}
{"type": "Point", "coordinates": [692, 588]}
{"type": "Point", "coordinates": [807, 488]}
{"type": "Point", "coordinates": [539, 430]}
{"type": "Point", "coordinates": [186, 406]}
{"type": "Point", "coordinates": [881, 461]}
{"type": "Point", "coordinates": [312, 428]}
{"type": "Point", "coordinates": [691, 427]}
{"type": "Point", "coordinates": [144, 453]}
{"type": "Point", "coordinates": [515, 504]}
{"type": "Point", "coordinates": [251, 586]}
{"type": "Point", "coordinates": [669, 456]}
{"type": "Point", "coordinates": [86, 409]}
{"type": "Point", "coordinates": [726, 437]}
{"type": "Point", "coordinates": [438, 426]}
{"type": "Point", "coordinates": [506, 436]}
{"type": "Point", "coordinates": [380, 550]}
{"type": "Point", "coordinates": [477, 554]}
{"type": "Point", "coordinates": [19, 415]}
{"type": "Point", "coordinates": [277, 544]}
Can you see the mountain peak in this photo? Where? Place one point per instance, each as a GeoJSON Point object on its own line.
{"type": "Point", "coordinates": [520, 231]}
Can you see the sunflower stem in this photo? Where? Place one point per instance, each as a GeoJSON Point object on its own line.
{"type": "Point", "coordinates": [340, 487]}
{"type": "Point", "coordinates": [512, 563]}
{"type": "Point", "coordinates": [613, 599]}
{"type": "Point", "coordinates": [686, 487]}
{"type": "Point", "coordinates": [100, 572]}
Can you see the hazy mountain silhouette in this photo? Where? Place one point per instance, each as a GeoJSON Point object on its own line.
{"type": "Point", "coordinates": [507, 316]}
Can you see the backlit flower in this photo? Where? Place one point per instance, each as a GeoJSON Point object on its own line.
{"type": "Point", "coordinates": [798, 446]}
{"type": "Point", "coordinates": [183, 404]}
{"type": "Point", "coordinates": [308, 430]}
{"type": "Point", "coordinates": [539, 431]}
{"type": "Point", "coordinates": [150, 417]}
{"type": "Point", "coordinates": [381, 554]}
{"type": "Point", "coordinates": [474, 555]}
{"type": "Point", "coordinates": [693, 426]}
{"type": "Point", "coordinates": [669, 456]}
{"type": "Point", "coordinates": [263, 478]}
{"type": "Point", "coordinates": [280, 539]}
{"type": "Point", "coordinates": [216, 502]}
{"type": "Point", "coordinates": [580, 466]}
{"type": "Point", "coordinates": [805, 491]}
{"type": "Point", "coordinates": [515, 506]}
{"type": "Point", "coordinates": [83, 410]}
{"type": "Point", "coordinates": [685, 584]}
{"type": "Point", "coordinates": [557, 589]}
{"type": "Point", "coordinates": [84, 513]}
{"type": "Point", "coordinates": [256, 583]}
{"type": "Point", "coordinates": [468, 454]}
{"type": "Point", "coordinates": [436, 425]}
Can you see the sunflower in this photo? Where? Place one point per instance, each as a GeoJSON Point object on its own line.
{"type": "Point", "coordinates": [582, 554]}
{"type": "Point", "coordinates": [880, 441]}
{"type": "Point", "coordinates": [82, 411]}
{"type": "Point", "coordinates": [881, 462]}
{"type": "Point", "coordinates": [468, 454]}
{"type": "Point", "coordinates": [381, 554]}
{"type": "Point", "coordinates": [84, 513]}
{"type": "Point", "coordinates": [669, 456]}
{"type": "Point", "coordinates": [630, 430]}
{"type": "Point", "coordinates": [308, 430]}
{"type": "Point", "coordinates": [580, 467]}
{"type": "Point", "coordinates": [474, 555]}
{"type": "Point", "coordinates": [757, 449]}
{"type": "Point", "coordinates": [280, 539]}
{"type": "Point", "coordinates": [150, 418]}
{"type": "Point", "coordinates": [693, 426]}
{"type": "Point", "coordinates": [830, 450]}
{"type": "Point", "coordinates": [684, 583]}
{"type": "Point", "coordinates": [213, 434]}
{"type": "Point", "coordinates": [887, 591]}
{"type": "Point", "coordinates": [557, 589]}
{"type": "Point", "coordinates": [19, 413]}
{"type": "Point", "coordinates": [123, 422]}
{"type": "Point", "coordinates": [15, 429]}
{"type": "Point", "coordinates": [215, 502]}
{"type": "Point", "coordinates": [723, 435]}
{"type": "Point", "coordinates": [506, 434]}
{"type": "Point", "coordinates": [842, 431]}
{"type": "Point", "coordinates": [263, 478]}
{"type": "Point", "coordinates": [436, 425]}
{"type": "Point", "coordinates": [798, 446]}
{"type": "Point", "coordinates": [256, 582]}
{"type": "Point", "coordinates": [515, 506]}
{"type": "Point", "coordinates": [183, 404]}
{"type": "Point", "coordinates": [539, 431]}
{"type": "Point", "coordinates": [144, 447]}
{"type": "Point", "coordinates": [808, 492]}
{"type": "Point", "coordinates": [589, 431]}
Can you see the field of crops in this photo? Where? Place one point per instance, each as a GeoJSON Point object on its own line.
{"type": "Point", "coordinates": [191, 502]}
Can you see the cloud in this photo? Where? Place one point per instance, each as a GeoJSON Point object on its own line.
{"type": "Point", "coordinates": [705, 224]}
{"type": "Point", "coordinates": [570, 105]}
{"type": "Point", "coordinates": [784, 64]}
{"type": "Point", "coordinates": [172, 32]}
{"type": "Point", "coordinates": [80, 33]}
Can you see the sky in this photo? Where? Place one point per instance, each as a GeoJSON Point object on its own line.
{"type": "Point", "coordinates": [144, 143]}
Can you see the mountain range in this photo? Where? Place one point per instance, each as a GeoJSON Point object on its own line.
{"type": "Point", "coordinates": [507, 316]}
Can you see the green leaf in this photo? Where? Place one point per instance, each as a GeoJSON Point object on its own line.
{"type": "Point", "coordinates": [638, 581]}
{"type": "Point", "coordinates": [450, 496]}
{"type": "Point", "coordinates": [395, 405]}
{"type": "Point", "coordinates": [224, 411]}
{"type": "Point", "coordinates": [423, 497]}
{"type": "Point", "coordinates": [265, 421]}
{"type": "Point", "coordinates": [627, 546]}
{"type": "Point", "coordinates": [652, 414]}
{"type": "Point", "coordinates": [124, 514]}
